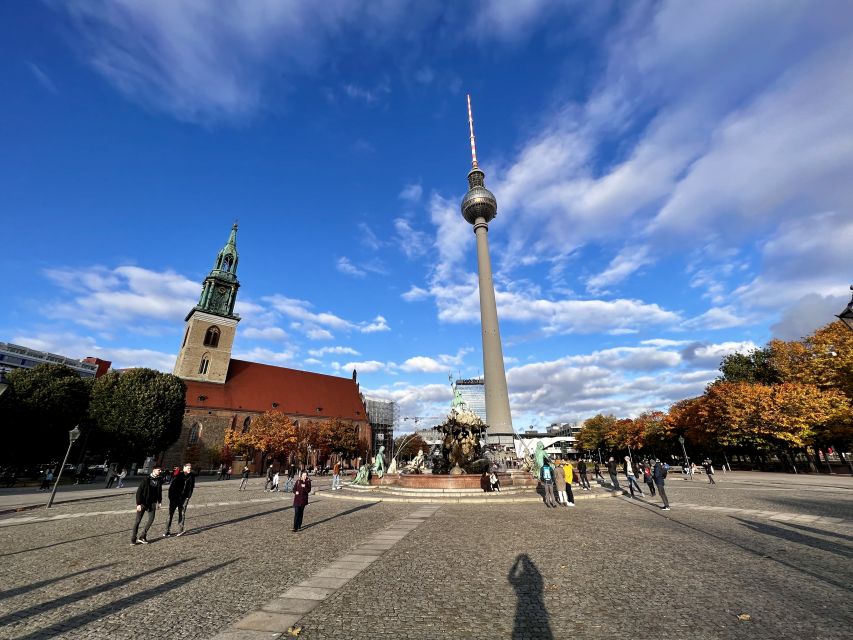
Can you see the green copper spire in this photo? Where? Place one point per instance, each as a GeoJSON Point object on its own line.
{"type": "Point", "coordinates": [219, 293]}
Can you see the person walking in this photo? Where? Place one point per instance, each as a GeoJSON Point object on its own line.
{"type": "Point", "coordinates": [221, 475]}
{"type": "Point", "coordinates": [612, 470]}
{"type": "Point", "coordinates": [546, 477]}
{"type": "Point", "coordinates": [275, 480]}
{"type": "Point", "coordinates": [111, 478]}
{"type": "Point", "coordinates": [149, 496]}
{"type": "Point", "coordinates": [647, 477]}
{"type": "Point", "coordinates": [659, 474]}
{"type": "Point", "coordinates": [228, 473]}
{"type": "Point", "coordinates": [48, 478]}
{"type": "Point", "coordinates": [709, 470]}
{"type": "Point", "coordinates": [584, 481]}
{"type": "Point", "coordinates": [180, 492]}
{"type": "Point", "coordinates": [336, 476]}
{"type": "Point", "coordinates": [560, 483]}
{"type": "Point", "coordinates": [301, 490]}
{"type": "Point", "coordinates": [632, 481]}
{"type": "Point", "coordinates": [121, 478]}
{"type": "Point", "coordinates": [596, 469]}
{"type": "Point", "coordinates": [268, 483]}
{"type": "Point", "coordinates": [245, 476]}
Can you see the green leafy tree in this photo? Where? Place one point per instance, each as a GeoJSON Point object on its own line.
{"type": "Point", "coordinates": [139, 411]}
{"type": "Point", "coordinates": [40, 407]}
{"type": "Point", "coordinates": [755, 367]}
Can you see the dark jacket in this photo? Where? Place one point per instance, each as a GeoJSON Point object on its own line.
{"type": "Point", "coordinates": [182, 487]}
{"type": "Point", "coordinates": [301, 491]}
{"type": "Point", "coordinates": [612, 468]}
{"type": "Point", "coordinates": [658, 473]}
{"type": "Point", "coordinates": [581, 467]}
{"type": "Point", "coordinates": [245, 473]}
{"type": "Point", "coordinates": [150, 491]}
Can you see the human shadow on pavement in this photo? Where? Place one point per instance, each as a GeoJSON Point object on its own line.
{"type": "Point", "coordinates": [71, 598]}
{"type": "Point", "coordinates": [149, 594]}
{"type": "Point", "coordinates": [17, 591]}
{"type": "Point", "coordinates": [338, 515]}
{"type": "Point", "coordinates": [822, 532]}
{"type": "Point", "coordinates": [57, 544]}
{"type": "Point", "coordinates": [531, 617]}
{"type": "Point", "coordinates": [845, 551]}
{"type": "Point", "coordinates": [196, 530]}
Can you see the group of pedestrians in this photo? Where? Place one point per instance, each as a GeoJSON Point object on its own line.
{"type": "Point", "coordinates": [149, 498]}
{"type": "Point", "coordinates": [560, 476]}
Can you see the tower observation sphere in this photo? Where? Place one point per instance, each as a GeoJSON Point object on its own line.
{"type": "Point", "coordinates": [479, 202]}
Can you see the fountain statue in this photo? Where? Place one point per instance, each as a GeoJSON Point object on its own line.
{"type": "Point", "coordinates": [461, 449]}
{"type": "Point", "coordinates": [379, 463]}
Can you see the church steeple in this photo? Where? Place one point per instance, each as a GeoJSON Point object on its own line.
{"type": "Point", "coordinates": [206, 351]}
{"type": "Point", "coordinates": [219, 293]}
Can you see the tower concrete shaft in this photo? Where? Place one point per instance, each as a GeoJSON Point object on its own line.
{"type": "Point", "coordinates": [498, 414]}
{"type": "Point", "coordinates": [479, 207]}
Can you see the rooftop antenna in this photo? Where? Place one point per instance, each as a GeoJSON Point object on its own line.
{"type": "Point", "coordinates": [471, 128]}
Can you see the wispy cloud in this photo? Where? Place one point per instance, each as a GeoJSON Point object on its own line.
{"type": "Point", "coordinates": [43, 79]}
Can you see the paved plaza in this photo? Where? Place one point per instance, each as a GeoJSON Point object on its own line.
{"type": "Point", "coordinates": [776, 548]}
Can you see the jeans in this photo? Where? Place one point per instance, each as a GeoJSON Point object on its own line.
{"type": "Point", "coordinates": [549, 494]}
{"type": "Point", "coordinates": [336, 481]}
{"type": "Point", "coordinates": [662, 493]}
{"type": "Point", "coordinates": [632, 483]}
{"type": "Point", "coordinates": [614, 481]}
{"type": "Point", "coordinates": [243, 484]}
{"type": "Point", "coordinates": [181, 506]}
{"type": "Point", "coordinates": [151, 510]}
{"type": "Point", "coordinates": [583, 481]}
{"type": "Point", "coordinates": [298, 511]}
{"type": "Point", "coordinates": [651, 485]}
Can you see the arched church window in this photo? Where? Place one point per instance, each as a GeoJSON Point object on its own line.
{"type": "Point", "coordinates": [246, 424]}
{"type": "Point", "coordinates": [205, 364]}
{"type": "Point", "coordinates": [195, 434]}
{"type": "Point", "coordinates": [211, 338]}
{"type": "Point", "coordinates": [226, 263]}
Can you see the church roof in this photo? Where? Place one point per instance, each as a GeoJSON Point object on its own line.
{"type": "Point", "coordinates": [251, 386]}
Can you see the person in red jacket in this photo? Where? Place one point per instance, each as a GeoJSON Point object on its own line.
{"type": "Point", "coordinates": [301, 489]}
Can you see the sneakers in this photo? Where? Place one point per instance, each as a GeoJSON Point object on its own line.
{"type": "Point", "coordinates": [665, 509]}
{"type": "Point", "coordinates": [571, 504]}
{"type": "Point", "coordinates": [180, 533]}
{"type": "Point", "coordinates": [133, 543]}
{"type": "Point", "coordinates": [167, 534]}
{"type": "Point", "coordinates": [142, 541]}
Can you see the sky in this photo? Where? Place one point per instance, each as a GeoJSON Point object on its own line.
{"type": "Point", "coordinates": [673, 183]}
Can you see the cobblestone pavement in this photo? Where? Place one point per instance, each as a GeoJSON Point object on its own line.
{"type": "Point", "coordinates": [606, 568]}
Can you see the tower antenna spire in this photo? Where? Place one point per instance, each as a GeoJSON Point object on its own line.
{"type": "Point", "coordinates": [471, 128]}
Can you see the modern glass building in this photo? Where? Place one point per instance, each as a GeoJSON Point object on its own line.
{"type": "Point", "coordinates": [473, 392]}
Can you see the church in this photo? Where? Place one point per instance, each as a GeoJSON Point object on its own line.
{"type": "Point", "coordinates": [225, 393]}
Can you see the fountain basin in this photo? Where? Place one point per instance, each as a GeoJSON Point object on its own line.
{"type": "Point", "coordinates": [442, 481]}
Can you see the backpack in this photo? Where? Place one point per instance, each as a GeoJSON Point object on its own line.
{"type": "Point", "coordinates": [663, 471]}
{"type": "Point", "coordinates": [546, 473]}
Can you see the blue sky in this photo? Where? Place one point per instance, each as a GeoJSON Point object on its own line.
{"type": "Point", "coordinates": [673, 183]}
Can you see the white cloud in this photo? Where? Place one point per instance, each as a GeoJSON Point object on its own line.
{"type": "Point", "coordinates": [79, 347]}
{"type": "Point", "coordinates": [710, 355]}
{"type": "Point", "coordinates": [268, 356]}
{"type": "Point", "coordinates": [319, 353]}
{"type": "Point", "coordinates": [411, 242]}
{"type": "Point", "coordinates": [423, 364]}
{"type": "Point", "coordinates": [412, 193]}
{"type": "Point", "coordinates": [108, 298]}
{"type": "Point", "coordinates": [43, 79]}
{"type": "Point", "coordinates": [623, 265]}
{"type": "Point", "coordinates": [415, 293]}
{"type": "Point", "coordinates": [366, 366]}
{"type": "Point", "coordinates": [344, 265]}
{"type": "Point", "coordinates": [267, 333]}
{"type": "Point", "coordinates": [378, 324]}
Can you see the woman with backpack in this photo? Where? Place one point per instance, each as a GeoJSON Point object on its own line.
{"type": "Point", "coordinates": [659, 476]}
{"type": "Point", "coordinates": [647, 477]}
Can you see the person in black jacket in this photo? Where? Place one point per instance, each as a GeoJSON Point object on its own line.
{"type": "Point", "coordinates": [180, 492]}
{"type": "Point", "coordinates": [149, 496]}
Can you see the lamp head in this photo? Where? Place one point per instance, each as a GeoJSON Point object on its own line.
{"type": "Point", "coordinates": [74, 433]}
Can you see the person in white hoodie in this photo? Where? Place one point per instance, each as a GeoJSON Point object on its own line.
{"type": "Point", "coordinates": [632, 481]}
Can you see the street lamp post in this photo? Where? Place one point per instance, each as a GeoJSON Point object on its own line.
{"type": "Point", "coordinates": [686, 459]}
{"type": "Point", "coordinates": [3, 384]}
{"type": "Point", "coordinates": [846, 316]}
{"type": "Point", "coordinates": [72, 438]}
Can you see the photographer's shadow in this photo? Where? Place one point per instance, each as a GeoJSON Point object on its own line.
{"type": "Point", "coordinates": [531, 617]}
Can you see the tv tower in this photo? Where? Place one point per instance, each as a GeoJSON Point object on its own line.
{"type": "Point", "coordinates": [479, 207]}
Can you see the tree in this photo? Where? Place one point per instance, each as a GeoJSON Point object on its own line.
{"type": "Point", "coordinates": [755, 367]}
{"type": "Point", "coordinates": [40, 407]}
{"type": "Point", "coordinates": [593, 432]}
{"type": "Point", "coordinates": [656, 430]}
{"type": "Point", "coordinates": [272, 433]}
{"type": "Point", "coordinates": [344, 438]}
{"type": "Point", "coordinates": [139, 411]}
{"type": "Point", "coordinates": [406, 447]}
{"type": "Point", "coordinates": [824, 359]}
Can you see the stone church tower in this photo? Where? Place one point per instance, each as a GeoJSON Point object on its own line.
{"type": "Point", "coordinates": [206, 351]}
